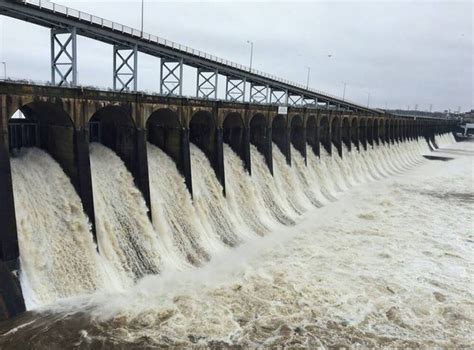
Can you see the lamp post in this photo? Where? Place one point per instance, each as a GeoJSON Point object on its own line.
{"type": "Point", "coordinates": [344, 92]}
{"type": "Point", "coordinates": [368, 98]}
{"type": "Point", "coordinates": [251, 53]}
{"type": "Point", "coordinates": [307, 78]}
{"type": "Point", "coordinates": [4, 70]}
{"type": "Point", "coordinates": [143, 7]}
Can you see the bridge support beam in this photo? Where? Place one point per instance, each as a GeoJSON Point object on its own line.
{"type": "Point", "coordinates": [171, 77]}
{"type": "Point", "coordinates": [125, 68]}
{"type": "Point", "coordinates": [206, 84]}
{"type": "Point", "coordinates": [279, 97]}
{"type": "Point", "coordinates": [235, 89]}
{"type": "Point", "coordinates": [64, 56]}
{"type": "Point", "coordinates": [258, 93]}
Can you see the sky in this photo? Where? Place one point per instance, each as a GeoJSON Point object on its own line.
{"type": "Point", "coordinates": [388, 54]}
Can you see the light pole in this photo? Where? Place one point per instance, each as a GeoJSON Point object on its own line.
{"type": "Point", "coordinates": [344, 91]}
{"type": "Point", "coordinates": [143, 7]}
{"type": "Point", "coordinates": [251, 53]}
{"type": "Point", "coordinates": [4, 70]}
{"type": "Point", "coordinates": [368, 98]}
{"type": "Point", "coordinates": [307, 78]}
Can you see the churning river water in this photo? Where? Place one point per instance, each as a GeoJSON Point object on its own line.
{"type": "Point", "coordinates": [374, 250]}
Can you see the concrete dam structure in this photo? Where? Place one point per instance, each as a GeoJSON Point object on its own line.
{"type": "Point", "coordinates": [157, 144]}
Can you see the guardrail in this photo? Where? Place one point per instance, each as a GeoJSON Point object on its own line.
{"type": "Point", "coordinates": [95, 20]}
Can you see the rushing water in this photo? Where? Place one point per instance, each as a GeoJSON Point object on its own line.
{"type": "Point", "coordinates": [374, 249]}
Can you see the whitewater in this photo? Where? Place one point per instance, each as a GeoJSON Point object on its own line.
{"type": "Point", "coordinates": [374, 249]}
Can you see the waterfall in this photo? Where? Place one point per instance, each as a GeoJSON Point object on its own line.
{"type": "Point", "coordinates": [58, 256]}
{"type": "Point", "coordinates": [174, 215]}
{"type": "Point", "coordinates": [125, 235]}
{"type": "Point", "coordinates": [272, 198]}
{"type": "Point", "coordinates": [243, 195]}
{"type": "Point", "coordinates": [209, 201]}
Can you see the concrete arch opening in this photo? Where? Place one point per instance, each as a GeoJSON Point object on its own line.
{"type": "Point", "coordinates": [388, 130]}
{"type": "Point", "coordinates": [297, 135]}
{"type": "Point", "coordinates": [114, 127]}
{"type": "Point", "coordinates": [375, 127]}
{"type": "Point", "coordinates": [370, 131]}
{"type": "Point", "coordinates": [260, 137]}
{"type": "Point", "coordinates": [280, 136]}
{"type": "Point", "coordinates": [363, 132]}
{"type": "Point", "coordinates": [165, 131]}
{"type": "Point", "coordinates": [355, 133]}
{"type": "Point", "coordinates": [346, 133]}
{"type": "Point", "coordinates": [204, 134]}
{"type": "Point", "coordinates": [234, 136]}
{"type": "Point", "coordinates": [312, 135]}
{"type": "Point", "coordinates": [325, 134]}
{"type": "Point", "coordinates": [336, 134]}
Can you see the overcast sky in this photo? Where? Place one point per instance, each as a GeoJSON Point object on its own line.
{"type": "Point", "coordinates": [402, 53]}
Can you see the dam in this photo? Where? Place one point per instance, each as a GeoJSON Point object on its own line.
{"type": "Point", "coordinates": [104, 188]}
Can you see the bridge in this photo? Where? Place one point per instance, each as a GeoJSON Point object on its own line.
{"type": "Point", "coordinates": [63, 118]}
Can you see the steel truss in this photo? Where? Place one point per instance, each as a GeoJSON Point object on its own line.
{"type": "Point", "coordinates": [125, 72]}
{"type": "Point", "coordinates": [295, 100]}
{"type": "Point", "coordinates": [64, 56]}
{"type": "Point", "coordinates": [171, 73]}
{"type": "Point", "coordinates": [258, 93]}
{"type": "Point", "coordinates": [206, 85]}
{"type": "Point", "coordinates": [279, 97]}
{"type": "Point", "coordinates": [311, 102]}
{"type": "Point", "coordinates": [235, 89]}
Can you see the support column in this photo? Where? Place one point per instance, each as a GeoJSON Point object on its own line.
{"type": "Point", "coordinates": [246, 150]}
{"type": "Point", "coordinates": [219, 158]}
{"type": "Point", "coordinates": [64, 56]}
{"type": "Point", "coordinates": [125, 68]}
{"type": "Point", "coordinates": [84, 177]}
{"type": "Point", "coordinates": [171, 77]}
{"type": "Point", "coordinates": [235, 89]}
{"type": "Point", "coordinates": [185, 160]}
{"type": "Point", "coordinates": [206, 84]}
{"type": "Point", "coordinates": [141, 168]}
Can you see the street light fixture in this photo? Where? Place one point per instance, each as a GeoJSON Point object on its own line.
{"type": "Point", "coordinates": [251, 53]}
{"type": "Point", "coordinates": [368, 98]}
{"type": "Point", "coordinates": [344, 91]}
{"type": "Point", "coordinates": [143, 7]}
{"type": "Point", "coordinates": [307, 78]}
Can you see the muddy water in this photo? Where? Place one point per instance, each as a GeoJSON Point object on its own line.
{"type": "Point", "coordinates": [389, 263]}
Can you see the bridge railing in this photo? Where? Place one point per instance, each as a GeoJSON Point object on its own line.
{"type": "Point", "coordinates": [95, 20]}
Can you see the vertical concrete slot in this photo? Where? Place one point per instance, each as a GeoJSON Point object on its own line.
{"type": "Point", "coordinates": [261, 138]}
{"type": "Point", "coordinates": [280, 136]}
{"type": "Point", "coordinates": [312, 134]}
{"type": "Point", "coordinates": [325, 134]}
{"type": "Point", "coordinates": [346, 133]}
{"type": "Point", "coordinates": [336, 134]}
{"type": "Point", "coordinates": [355, 133]}
{"type": "Point", "coordinates": [297, 135]}
{"type": "Point", "coordinates": [234, 136]}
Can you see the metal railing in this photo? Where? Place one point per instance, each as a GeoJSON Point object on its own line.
{"type": "Point", "coordinates": [95, 20]}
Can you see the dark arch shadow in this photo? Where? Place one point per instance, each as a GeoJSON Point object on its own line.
{"type": "Point", "coordinates": [114, 127]}
{"type": "Point", "coordinates": [325, 134]}
{"type": "Point", "coordinates": [363, 132]}
{"type": "Point", "coordinates": [165, 131]}
{"type": "Point", "coordinates": [297, 135]}
{"type": "Point", "coordinates": [280, 136]}
{"type": "Point", "coordinates": [355, 133]}
{"type": "Point", "coordinates": [204, 134]}
{"type": "Point", "coordinates": [234, 136]}
{"type": "Point", "coordinates": [346, 133]}
{"type": "Point", "coordinates": [312, 138]}
{"type": "Point", "coordinates": [376, 131]}
{"type": "Point", "coordinates": [388, 130]}
{"type": "Point", "coordinates": [370, 131]}
{"type": "Point", "coordinates": [336, 134]}
{"type": "Point", "coordinates": [261, 138]}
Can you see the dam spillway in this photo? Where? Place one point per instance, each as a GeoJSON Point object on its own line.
{"type": "Point", "coordinates": [135, 189]}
